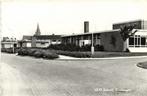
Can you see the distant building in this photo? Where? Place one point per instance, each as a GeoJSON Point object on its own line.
{"type": "Point", "coordinates": [37, 33]}
{"type": "Point", "coordinates": [25, 42]}
{"type": "Point", "coordinates": [111, 40]}
{"type": "Point", "coordinates": [45, 40]}
{"type": "Point", "coordinates": [140, 24]}
{"type": "Point", "coordinates": [38, 40]}
{"type": "Point", "coordinates": [8, 42]}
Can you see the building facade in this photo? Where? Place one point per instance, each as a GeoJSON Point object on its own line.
{"type": "Point", "coordinates": [38, 40]}
{"type": "Point", "coordinates": [25, 42]}
{"type": "Point", "coordinates": [138, 42]}
{"type": "Point", "coordinates": [8, 42]}
{"type": "Point", "coordinates": [112, 40]}
{"type": "Point", "coordinates": [45, 40]}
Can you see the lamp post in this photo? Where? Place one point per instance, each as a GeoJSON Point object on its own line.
{"type": "Point", "coordinates": [92, 47]}
{"type": "Point", "coordinates": [13, 47]}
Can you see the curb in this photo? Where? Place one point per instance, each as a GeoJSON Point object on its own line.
{"type": "Point", "coordinates": [105, 58]}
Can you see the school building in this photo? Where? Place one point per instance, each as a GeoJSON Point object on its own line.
{"type": "Point", "coordinates": [112, 40]}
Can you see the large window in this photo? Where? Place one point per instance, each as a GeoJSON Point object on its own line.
{"type": "Point", "coordinates": [137, 41]}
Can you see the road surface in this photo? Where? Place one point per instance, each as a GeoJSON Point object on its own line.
{"type": "Point", "coordinates": [27, 76]}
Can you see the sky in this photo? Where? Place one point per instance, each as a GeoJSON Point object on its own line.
{"type": "Point", "coordinates": [20, 17]}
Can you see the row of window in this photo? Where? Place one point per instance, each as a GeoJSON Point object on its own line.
{"type": "Point", "coordinates": [137, 41]}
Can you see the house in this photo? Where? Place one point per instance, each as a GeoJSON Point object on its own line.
{"type": "Point", "coordinates": [25, 42]}
{"type": "Point", "coordinates": [38, 40]}
{"type": "Point", "coordinates": [8, 42]}
{"type": "Point", "coordinates": [112, 40]}
{"type": "Point", "coordinates": [43, 41]}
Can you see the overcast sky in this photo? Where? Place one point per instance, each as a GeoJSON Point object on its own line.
{"type": "Point", "coordinates": [20, 17]}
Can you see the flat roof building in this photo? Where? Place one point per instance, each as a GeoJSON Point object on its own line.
{"type": "Point", "coordinates": [112, 40]}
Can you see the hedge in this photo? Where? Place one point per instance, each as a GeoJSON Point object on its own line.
{"type": "Point", "coordinates": [8, 50]}
{"type": "Point", "coordinates": [38, 53]}
{"type": "Point", "coordinates": [50, 55]}
{"type": "Point", "coordinates": [73, 47]}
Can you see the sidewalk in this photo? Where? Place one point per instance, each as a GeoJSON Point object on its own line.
{"type": "Point", "coordinates": [63, 57]}
{"type": "Point", "coordinates": [66, 57]}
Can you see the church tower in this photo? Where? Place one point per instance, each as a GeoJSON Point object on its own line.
{"type": "Point", "coordinates": [38, 31]}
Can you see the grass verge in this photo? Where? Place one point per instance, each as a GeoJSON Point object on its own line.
{"type": "Point", "coordinates": [142, 65]}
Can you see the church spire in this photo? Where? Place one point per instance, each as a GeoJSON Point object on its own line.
{"type": "Point", "coordinates": [38, 30]}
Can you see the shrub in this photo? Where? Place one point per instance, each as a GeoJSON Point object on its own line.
{"type": "Point", "coordinates": [31, 52]}
{"type": "Point", "coordinates": [38, 53]}
{"type": "Point", "coordinates": [20, 52]}
{"type": "Point", "coordinates": [85, 48]}
{"type": "Point", "coordinates": [65, 47]}
{"type": "Point", "coordinates": [23, 52]}
{"type": "Point", "coordinates": [3, 50]}
{"type": "Point", "coordinates": [73, 47]}
{"type": "Point", "coordinates": [49, 55]}
{"type": "Point", "coordinates": [8, 50]}
{"type": "Point", "coordinates": [99, 48]}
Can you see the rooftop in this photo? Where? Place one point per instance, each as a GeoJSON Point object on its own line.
{"type": "Point", "coordinates": [116, 30]}
{"type": "Point", "coordinates": [138, 20]}
{"type": "Point", "coordinates": [26, 37]}
{"type": "Point", "coordinates": [48, 37]}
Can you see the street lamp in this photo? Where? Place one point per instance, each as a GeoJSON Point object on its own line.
{"type": "Point", "coordinates": [92, 47]}
{"type": "Point", "coordinates": [13, 46]}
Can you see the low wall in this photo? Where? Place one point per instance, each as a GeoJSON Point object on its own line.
{"type": "Point", "coordinates": [139, 49]}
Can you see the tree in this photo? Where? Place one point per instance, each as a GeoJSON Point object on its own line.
{"type": "Point", "coordinates": [126, 32]}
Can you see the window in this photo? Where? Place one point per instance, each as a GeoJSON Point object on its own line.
{"type": "Point", "coordinates": [137, 41]}
{"type": "Point", "coordinates": [98, 42]}
{"type": "Point", "coordinates": [42, 43]}
{"type": "Point", "coordinates": [98, 36]}
{"type": "Point", "coordinates": [54, 40]}
{"type": "Point", "coordinates": [131, 41]}
{"type": "Point", "coordinates": [85, 37]}
{"type": "Point", "coordinates": [143, 39]}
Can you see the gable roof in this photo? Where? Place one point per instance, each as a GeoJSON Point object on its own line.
{"type": "Point", "coordinates": [43, 37]}
{"type": "Point", "coordinates": [26, 37]}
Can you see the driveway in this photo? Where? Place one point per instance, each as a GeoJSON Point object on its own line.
{"type": "Point", "coordinates": [27, 76]}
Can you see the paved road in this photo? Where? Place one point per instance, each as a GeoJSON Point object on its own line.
{"type": "Point", "coordinates": [27, 76]}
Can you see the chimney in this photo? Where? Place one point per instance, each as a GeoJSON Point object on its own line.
{"type": "Point", "coordinates": [86, 26]}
